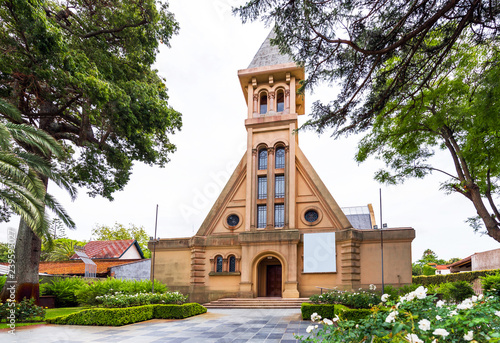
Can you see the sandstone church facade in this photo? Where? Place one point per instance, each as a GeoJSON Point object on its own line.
{"type": "Point", "coordinates": [275, 230]}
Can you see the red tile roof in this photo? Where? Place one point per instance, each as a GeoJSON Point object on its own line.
{"type": "Point", "coordinates": [106, 249]}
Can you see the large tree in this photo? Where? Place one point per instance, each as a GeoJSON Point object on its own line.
{"type": "Point", "coordinates": [398, 66]}
{"type": "Point", "coordinates": [81, 71]}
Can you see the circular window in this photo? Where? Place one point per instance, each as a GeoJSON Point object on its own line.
{"type": "Point", "coordinates": [233, 220]}
{"type": "Point", "coordinates": [311, 216]}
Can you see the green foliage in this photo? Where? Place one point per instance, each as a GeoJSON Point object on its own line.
{"type": "Point", "coordinates": [491, 284]}
{"type": "Point", "coordinates": [64, 289]}
{"type": "Point", "coordinates": [360, 299]}
{"type": "Point", "coordinates": [416, 317]}
{"type": "Point", "coordinates": [24, 311]}
{"type": "Point", "coordinates": [324, 310]}
{"type": "Point", "coordinates": [178, 311]}
{"type": "Point", "coordinates": [119, 299]}
{"type": "Point", "coordinates": [456, 291]}
{"type": "Point", "coordinates": [439, 279]}
{"type": "Point", "coordinates": [428, 270]}
{"type": "Point", "coordinates": [123, 316]}
{"type": "Point", "coordinates": [3, 279]}
{"type": "Point", "coordinates": [60, 249]}
{"type": "Point", "coordinates": [118, 231]}
{"type": "Point", "coordinates": [4, 253]}
{"type": "Point", "coordinates": [88, 294]}
{"type": "Point", "coordinates": [92, 78]}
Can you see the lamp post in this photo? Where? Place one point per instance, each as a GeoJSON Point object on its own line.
{"type": "Point", "coordinates": [154, 241]}
{"type": "Point", "coordinates": [382, 240]}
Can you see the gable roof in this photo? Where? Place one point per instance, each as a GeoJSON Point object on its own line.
{"type": "Point", "coordinates": [109, 249]}
{"type": "Point", "coordinates": [269, 54]}
{"type": "Point", "coordinates": [77, 267]}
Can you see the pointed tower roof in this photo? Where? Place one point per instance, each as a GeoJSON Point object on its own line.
{"type": "Point", "coordinates": [269, 54]}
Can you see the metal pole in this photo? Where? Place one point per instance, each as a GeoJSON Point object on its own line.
{"type": "Point", "coordinates": [154, 254]}
{"type": "Point", "coordinates": [381, 240]}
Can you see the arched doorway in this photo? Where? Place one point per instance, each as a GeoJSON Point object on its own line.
{"type": "Point", "coordinates": [270, 277]}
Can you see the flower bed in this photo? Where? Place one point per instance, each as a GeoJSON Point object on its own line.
{"type": "Point", "coordinates": [129, 315]}
{"type": "Point", "coordinates": [120, 300]}
{"type": "Point", "coordinates": [417, 318]}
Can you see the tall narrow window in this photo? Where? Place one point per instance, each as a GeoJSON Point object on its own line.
{"type": "Point", "coordinates": [262, 187]}
{"type": "Point", "coordinates": [280, 158]}
{"type": "Point", "coordinates": [263, 103]}
{"type": "Point", "coordinates": [279, 186]}
{"type": "Point", "coordinates": [261, 216]}
{"type": "Point", "coordinates": [280, 101]}
{"type": "Point", "coordinates": [218, 264]}
{"type": "Point", "coordinates": [263, 159]}
{"type": "Point", "coordinates": [279, 215]}
{"type": "Point", "coordinates": [232, 264]}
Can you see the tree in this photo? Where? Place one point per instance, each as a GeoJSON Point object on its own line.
{"type": "Point", "coordinates": [456, 111]}
{"type": "Point", "coordinates": [81, 71]}
{"type": "Point", "coordinates": [397, 64]}
{"type": "Point", "coordinates": [119, 232]}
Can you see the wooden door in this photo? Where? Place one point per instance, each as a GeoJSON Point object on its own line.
{"type": "Point", "coordinates": [273, 281]}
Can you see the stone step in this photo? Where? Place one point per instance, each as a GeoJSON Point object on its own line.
{"type": "Point", "coordinates": [256, 303]}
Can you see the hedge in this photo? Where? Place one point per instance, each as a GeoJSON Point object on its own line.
{"type": "Point", "coordinates": [464, 276]}
{"type": "Point", "coordinates": [324, 310]}
{"type": "Point", "coordinates": [129, 315]}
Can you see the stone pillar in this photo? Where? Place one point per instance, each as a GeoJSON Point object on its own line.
{"type": "Point", "coordinates": [255, 112]}
{"type": "Point", "coordinates": [287, 101]}
{"type": "Point", "coordinates": [291, 290]}
{"type": "Point", "coordinates": [270, 188]}
{"type": "Point", "coordinates": [252, 181]}
{"type": "Point", "coordinates": [350, 264]}
{"type": "Point", "coordinates": [246, 273]}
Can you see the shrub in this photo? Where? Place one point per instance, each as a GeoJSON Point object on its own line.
{"type": "Point", "coordinates": [439, 279]}
{"type": "Point", "coordinates": [324, 310]}
{"type": "Point", "coordinates": [360, 299]}
{"type": "Point", "coordinates": [24, 311]}
{"type": "Point", "coordinates": [491, 284]}
{"type": "Point", "coordinates": [456, 291]}
{"type": "Point", "coordinates": [178, 311]}
{"type": "Point", "coordinates": [126, 300]}
{"type": "Point", "coordinates": [88, 293]}
{"type": "Point", "coordinates": [418, 317]}
{"type": "Point", "coordinates": [356, 314]}
{"type": "Point", "coordinates": [64, 289]}
{"type": "Point", "coordinates": [123, 316]}
{"type": "Point", "coordinates": [3, 279]}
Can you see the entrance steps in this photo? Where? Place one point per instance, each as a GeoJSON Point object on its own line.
{"type": "Point", "coordinates": [262, 302]}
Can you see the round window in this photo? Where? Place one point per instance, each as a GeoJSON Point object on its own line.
{"type": "Point", "coordinates": [233, 220]}
{"type": "Point", "coordinates": [311, 216]}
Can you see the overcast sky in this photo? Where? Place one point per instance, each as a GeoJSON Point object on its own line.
{"type": "Point", "coordinates": [201, 74]}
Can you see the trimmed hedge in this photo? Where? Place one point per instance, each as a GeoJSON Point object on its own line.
{"type": "Point", "coordinates": [129, 315]}
{"type": "Point", "coordinates": [324, 310]}
{"type": "Point", "coordinates": [464, 276]}
{"type": "Point", "coordinates": [355, 314]}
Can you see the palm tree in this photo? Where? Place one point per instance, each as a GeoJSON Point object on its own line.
{"type": "Point", "coordinates": [22, 189]}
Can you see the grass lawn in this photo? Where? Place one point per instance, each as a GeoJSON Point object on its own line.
{"type": "Point", "coordinates": [50, 313]}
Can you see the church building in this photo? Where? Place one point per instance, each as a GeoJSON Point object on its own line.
{"type": "Point", "coordinates": [275, 230]}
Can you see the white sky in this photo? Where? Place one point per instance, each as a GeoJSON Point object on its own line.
{"type": "Point", "coordinates": [201, 75]}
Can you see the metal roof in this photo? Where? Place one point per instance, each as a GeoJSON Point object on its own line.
{"type": "Point", "coordinates": [359, 217]}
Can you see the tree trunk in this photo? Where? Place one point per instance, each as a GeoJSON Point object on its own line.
{"type": "Point", "coordinates": [25, 270]}
{"type": "Point", "coordinates": [490, 222]}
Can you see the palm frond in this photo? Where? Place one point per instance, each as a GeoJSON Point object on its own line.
{"type": "Point", "coordinates": [39, 139]}
{"type": "Point", "coordinates": [9, 111]}
{"type": "Point", "coordinates": [60, 212]}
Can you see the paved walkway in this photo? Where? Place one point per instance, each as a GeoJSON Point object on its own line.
{"type": "Point", "coordinates": [217, 325]}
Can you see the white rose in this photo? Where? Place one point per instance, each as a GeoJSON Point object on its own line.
{"type": "Point", "coordinates": [469, 336]}
{"type": "Point", "coordinates": [497, 313]}
{"type": "Point", "coordinates": [440, 303]}
{"type": "Point", "coordinates": [391, 317]}
{"type": "Point", "coordinates": [309, 328]}
{"type": "Point", "coordinates": [441, 332]}
{"type": "Point", "coordinates": [438, 317]}
{"type": "Point", "coordinates": [385, 297]}
{"type": "Point", "coordinates": [424, 325]}
{"type": "Point", "coordinates": [412, 338]}
{"type": "Point", "coordinates": [327, 321]}
{"type": "Point", "coordinates": [421, 292]}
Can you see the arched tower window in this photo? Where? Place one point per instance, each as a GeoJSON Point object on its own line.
{"type": "Point", "coordinates": [280, 158]}
{"type": "Point", "coordinates": [232, 264]}
{"type": "Point", "coordinates": [280, 100]}
{"type": "Point", "coordinates": [263, 103]}
{"type": "Point", "coordinates": [263, 159]}
{"type": "Point", "coordinates": [218, 264]}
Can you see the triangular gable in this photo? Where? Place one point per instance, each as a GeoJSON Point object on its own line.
{"type": "Point", "coordinates": [227, 195]}
{"type": "Point", "coordinates": [316, 188]}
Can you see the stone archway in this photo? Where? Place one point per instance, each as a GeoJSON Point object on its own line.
{"type": "Point", "coordinates": [269, 277]}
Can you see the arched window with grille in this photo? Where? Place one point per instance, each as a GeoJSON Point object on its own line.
{"type": "Point", "coordinates": [232, 264]}
{"type": "Point", "coordinates": [279, 158]}
{"type": "Point", "coordinates": [218, 264]}
{"type": "Point", "coordinates": [263, 159]}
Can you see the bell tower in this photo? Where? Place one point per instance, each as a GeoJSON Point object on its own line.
{"type": "Point", "coordinates": [269, 86]}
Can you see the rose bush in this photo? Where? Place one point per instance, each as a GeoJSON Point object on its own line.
{"type": "Point", "coordinates": [118, 299]}
{"type": "Point", "coordinates": [417, 318]}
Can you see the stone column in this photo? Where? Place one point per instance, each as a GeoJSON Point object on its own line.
{"type": "Point", "coordinates": [270, 188]}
